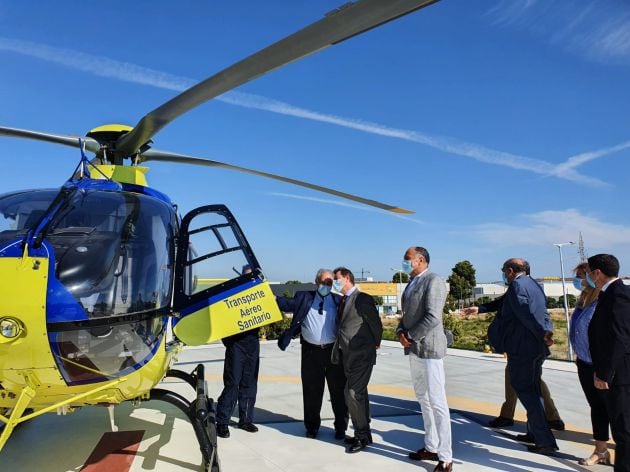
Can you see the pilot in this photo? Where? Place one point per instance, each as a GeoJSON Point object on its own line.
{"type": "Point", "coordinates": [240, 379]}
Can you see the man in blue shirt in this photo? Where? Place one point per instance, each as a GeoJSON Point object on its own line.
{"type": "Point", "coordinates": [315, 319]}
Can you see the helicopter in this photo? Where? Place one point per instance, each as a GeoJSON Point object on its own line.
{"type": "Point", "coordinates": [101, 277]}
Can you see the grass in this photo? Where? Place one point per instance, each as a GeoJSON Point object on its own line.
{"type": "Point", "coordinates": [471, 333]}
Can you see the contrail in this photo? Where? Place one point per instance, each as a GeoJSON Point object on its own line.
{"type": "Point", "coordinates": [579, 159]}
{"type": "Point", "coordinates": [124, 71]}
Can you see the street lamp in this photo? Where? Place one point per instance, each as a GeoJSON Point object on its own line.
{"type": "Point", "coordinates": [564, 293]}
{"type": "Point", "coordinates": [399, 297]}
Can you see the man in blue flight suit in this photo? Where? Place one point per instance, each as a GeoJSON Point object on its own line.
{"type": "Point", "coordinates": [240, 379]}
{"type": "Point", "coordinates": [315, 319]}
{"type": "Point", "coordinates": [523, 330]}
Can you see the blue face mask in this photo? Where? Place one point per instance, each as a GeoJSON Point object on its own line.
{"type": "Point", "coordinates": [338, 285]}
{"type": "Point", "coordinates": [505, 279]}
{"type": "Point", "coordinates": [406, 267]}
{"type": "Point", "coordinates": [590, 281]}
{"type": "Point", "coordinates": [323, 290]}
{"type": "Point", "coordinates": [577, 283]}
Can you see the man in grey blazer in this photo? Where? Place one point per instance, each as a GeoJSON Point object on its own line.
{"type": "Point", "coordinates": [360, 332]}
{"type": "Point", "coordinates": [422, 335]}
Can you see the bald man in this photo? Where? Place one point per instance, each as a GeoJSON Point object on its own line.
{"type": "Point", "coordinates": [523, 330]}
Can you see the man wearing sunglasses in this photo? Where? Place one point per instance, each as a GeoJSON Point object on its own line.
{"type": "Point", "coordinates": [315, 320]}
{"type": "Point", "coordinates": [609, 341]}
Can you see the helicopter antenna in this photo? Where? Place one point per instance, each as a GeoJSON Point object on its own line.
{"type": "Point", "coordinates": [581, 250]}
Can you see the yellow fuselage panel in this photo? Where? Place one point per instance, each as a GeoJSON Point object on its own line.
{"type": "Point", "coordinates": [123, 174]}
{"type": "Point", "coordinates": [27, 360]}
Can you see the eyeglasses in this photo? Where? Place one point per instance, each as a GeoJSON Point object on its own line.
{"type": "Point", "coordinates": [320, 310]}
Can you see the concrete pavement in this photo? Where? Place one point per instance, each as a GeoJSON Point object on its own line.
{"type": "Point", "coordinates": [164, 440]}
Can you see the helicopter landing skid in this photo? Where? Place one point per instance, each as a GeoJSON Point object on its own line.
{"type": "Point", "coordinates": [200, 412]}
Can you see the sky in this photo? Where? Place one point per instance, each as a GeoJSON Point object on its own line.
{"type": "Point", "coordinates": [504, 125]}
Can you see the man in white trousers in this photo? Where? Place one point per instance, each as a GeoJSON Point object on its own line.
{"type": "Point", "coordinates": [422, 335]}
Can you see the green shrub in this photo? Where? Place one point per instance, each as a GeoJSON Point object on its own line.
{"type": "Point", "coordinates": [274, 330]}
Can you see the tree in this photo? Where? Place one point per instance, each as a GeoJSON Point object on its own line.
{"type": "Point", "coordinates": [462, 280]}
{"type": "Point", "coordinates": [378, 300]}
{"type": "Point", "coordinates": [571, 300]}
{"type": "Point", "coordinates": [551, 302]}
{"type": "Point", "coordinates": [293, 282]}
{"type": "Point", "coordinates": [398, 275]}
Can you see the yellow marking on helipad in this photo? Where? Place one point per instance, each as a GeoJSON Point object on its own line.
{"type": "Point", "coordinates": [454, 402]}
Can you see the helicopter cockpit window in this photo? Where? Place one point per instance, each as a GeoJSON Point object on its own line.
{"type": "Point", "coordinates": [114, 251]}
{"type": "Point", "coordinates": [94, 354]}
{"type": "Point", "coordinates": [20, 212]}
{"type": "Point", "coordinates": [215, 254]}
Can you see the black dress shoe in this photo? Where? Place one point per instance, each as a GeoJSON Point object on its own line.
{"type": "Point", "coordinates": [423, 455]}
{"type": "Point", "coordinates": [528, 438]}
{"type": "Point", "coordinates": [351, 439]}
{"type": "Point", "coordinates": [249, 427]}
{"type": "Point", "coordinates": [339, 435]}
{"type": "Point", "coordinates": [501, 422]}
{"type": "Point", "coordinates": [558, 425]}
{"type": "Point", "coordinates": [545, 450]}
{"type": "Point", "coordinates": [357, 445]}
{"type": "Point", "coordinates": [311, 434]}
{"type": "Point", "coordinates": [443, 467]}
{"type": "Point", "coordinates": [223, 431]}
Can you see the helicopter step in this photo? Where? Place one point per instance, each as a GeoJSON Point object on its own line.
{"type": "Point", "coordinates": [200, 412]}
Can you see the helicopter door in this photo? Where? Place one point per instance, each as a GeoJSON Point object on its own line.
{"type": "Point", "coordinates": [220, 289]}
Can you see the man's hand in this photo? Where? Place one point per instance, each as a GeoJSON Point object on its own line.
{"type": "Point", "coordinates": [599, 383]}
{"type": "Point", "coordinates": [471, 310]}
{"type": "Point", "coordinates": [548, 339]}
{"type": "Point", "coordinates": [404, 340]}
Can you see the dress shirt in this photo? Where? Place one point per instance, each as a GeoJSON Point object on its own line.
{"type": "Point", "coordinates": [578, 331]}
{"type": "Point", "coordinates": [321, 329]}
{"type": "Point", "coordinates": [412, 282]}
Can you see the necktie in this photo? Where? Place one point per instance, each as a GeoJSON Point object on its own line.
{"type": "Point", "coordinates": [342, 305]}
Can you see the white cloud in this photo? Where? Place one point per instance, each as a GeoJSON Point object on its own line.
{"type": "Point", "coordinates": [599, 31]}
{"type": "Point", "coordinates": [554, 226]}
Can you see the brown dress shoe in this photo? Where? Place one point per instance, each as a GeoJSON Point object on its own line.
{"type": "Point", "coordinates": [443, 467]}
{"type": "Point", "coordinates": [423, 455]}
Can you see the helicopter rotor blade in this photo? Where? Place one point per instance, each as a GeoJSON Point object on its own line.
{"type": "Point", "coordinates": [73, 141]}
{"type": "Point", "coordinates": [164, 156]}
{"type": "Point", "coordinates": [343, 23]}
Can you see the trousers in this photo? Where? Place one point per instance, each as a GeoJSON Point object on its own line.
{"type": "Point", "coordinates": [357, 367]}
{"type": "Point", "coordinates": [429, 383]}
{"type": "Point", "coordinates": [525, 375]}
{"type": "Point", "coordinates": [317, 370]}
{"type": "Point", "coordinates": [509, 405]}
{"type": "Point", "coordinates": [240, 379]}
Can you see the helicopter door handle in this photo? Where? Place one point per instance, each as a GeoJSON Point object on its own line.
{"type": "Point", "coordinates": [122, 261]}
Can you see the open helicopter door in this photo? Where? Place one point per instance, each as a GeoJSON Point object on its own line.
{"type": "Point", "coordinates": [220, 289]}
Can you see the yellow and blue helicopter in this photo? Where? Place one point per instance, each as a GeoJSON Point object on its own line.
{"type": "Point", "coordinates": [100, 286]}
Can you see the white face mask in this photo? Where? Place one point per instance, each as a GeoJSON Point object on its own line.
{"type": "Point", "coordinates": [338, 285]}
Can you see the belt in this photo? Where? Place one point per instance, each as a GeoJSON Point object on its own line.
{"type": "Point", "coordinates": [319, 346]}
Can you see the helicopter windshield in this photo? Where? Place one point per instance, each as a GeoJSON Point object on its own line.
{"type": "Point", "coordinates": [113, 250]}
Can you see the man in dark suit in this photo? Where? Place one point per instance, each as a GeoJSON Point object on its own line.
{"type": "Point", "coordinates": [506, 415]}
{"type": "Point", "coordinates": [360, 332]}
{"type": "Point", "coordinates": [523, 330]}
{"type": "Point", "coordinates": [609, 340]}
{"type": "Point", "coordinates": [315, 320]}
